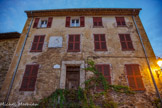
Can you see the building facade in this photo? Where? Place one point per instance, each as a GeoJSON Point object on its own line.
{"type": "Point", "coordinates": [8, 42]}
{"type": "Point", "coordinates": [58, 44]}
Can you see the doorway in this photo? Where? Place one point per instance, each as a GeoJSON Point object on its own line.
{"type": "Point", "coordinates": [72, 77]}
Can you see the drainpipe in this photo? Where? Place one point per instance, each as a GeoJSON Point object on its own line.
{"type": "Point", "coordinates": [148, 63]}
{"type": "Point", "coordinates": [17, 65]}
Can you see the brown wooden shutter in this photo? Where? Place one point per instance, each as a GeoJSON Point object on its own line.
{"type": "Point", "coordinates": [100, 42]}
{"type": "Point", "coordinates": [106, 73]}
{"type": "Point", "coordinates": [134, 77]}
{"type": "Point", "coordinates": [77, 43]}
{"type": "Point", "coordinates": [100, 21]}
{"type": "Point", "coordinates": [120, 21]}
{"type": "Point", "coordinates": [37, 44]}
{"type": "Point", "coordinates": [74, 43]}
{"type": "Point", "coordinates": [67, 22]}
{"type": "Point", "coordinates": [105, 70]}
{"type": "Point", "coordinates": [49, 22]}
{"type": "Point", "coordinates": [29, 78]}
{"type": "Point", "coordinates": [94, 21]}
{"type": "Point", "coordinates": [36, 22]}
{"type": "Point", "coordinates": [126, 42]}
{"type": "Point", "coordinates": [82, 22]}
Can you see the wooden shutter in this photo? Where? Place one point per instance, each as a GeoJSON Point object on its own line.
{"type": "Point", "coordinates": [105, 70]}
{"type": "Point", "coordinates": [126, 42]}
{"type": "Point", "coordinates": [29, 78]}
{"type": "Point", "coordinates": [120, 21]}
{"type": "Point", "coordinates": [82, 22]}
{"type": "Point", "coordinates": [37, 44]}
{"type": "Point", "coordinates": [97, 21]}
{"type": "Point", "coordinates": [36, 22]}
{"type": "Point", "coordinates": [134, 77]}
{"type": "Point", "coordinates": [67, 22]}
{"type": "Point", "coordinates": [49, 22]}
{"type": "Point", "coordinates": [74, 43]}
{"type": "Point", "coordinates": [100, 42]}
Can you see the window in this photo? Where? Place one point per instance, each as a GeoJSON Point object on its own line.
{"type": "Point", "coordinates": [126, 42]}
{"type": "Point", "coordinates": [29, 78]}
{"type": "Point", "coordinates": [74, 43]}
{"type": "Point", "coordinates": [97, 21]}
{"type": "Point", "coordinates": [43, 22]}
{"type": "Point", "coordinates": [72, 77]}
{"type": "Point", "coordinates": [134, 77]}
{"type": "Point", "coordinates": [120, 21]}
{"type": "Point", "coordinates": [74, 22]}
{"type": "Point", "coordinates": [105, 70]}
{"type": "Point", "coordinates": [100, 42]}
{"type": "Point", "coordinates": [37, 43]}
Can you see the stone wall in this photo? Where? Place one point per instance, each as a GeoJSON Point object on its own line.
{"type": "Point", "coordinates": [48, 79]}
{"type": "Point", "coordinates": [7, 48]}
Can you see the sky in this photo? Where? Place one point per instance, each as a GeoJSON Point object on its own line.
{"type": "Point", "coordinates": [13, 18]}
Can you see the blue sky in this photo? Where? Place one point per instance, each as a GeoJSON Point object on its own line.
{"type": "Point", "coordinates": [13, 17]}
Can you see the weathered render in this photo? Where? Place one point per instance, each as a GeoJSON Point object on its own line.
{"type": "Point", "coordinates": [50, 78]}
{"type": "Point", "coordinates": [8, 42]}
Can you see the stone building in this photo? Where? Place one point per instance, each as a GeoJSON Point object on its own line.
{"type": "Point", "coordinates": [8, 42]}
{"type": "Point", "coordinates": [59, 42]}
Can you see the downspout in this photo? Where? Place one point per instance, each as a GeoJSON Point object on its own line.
{"type": "Point", "coordinates": [148, 63]}
{"type": "Point", "coordinates": [17, 65]}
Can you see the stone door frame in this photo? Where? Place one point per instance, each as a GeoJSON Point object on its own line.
{"type": "Point", "coordinates": [63, 73]}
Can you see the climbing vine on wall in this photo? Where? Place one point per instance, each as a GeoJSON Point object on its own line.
{"type": "Point", "coordinates": [87, 97]}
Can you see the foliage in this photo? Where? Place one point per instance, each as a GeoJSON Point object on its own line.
{"type": "Point", "coordinates": [88, 97]}
{"type": "Point", "coordinates": [157, 103]}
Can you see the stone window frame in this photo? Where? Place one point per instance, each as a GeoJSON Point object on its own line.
{"type": "Point", "coordinates": [63, 73]}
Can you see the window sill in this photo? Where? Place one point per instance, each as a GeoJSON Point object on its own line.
{"type": "Point", "coordinates": [121, 25]}
{"type": "Point", "coordinates": [101, 50]}
{"type": "Point", "coordinates": [36, 51]}
{"type": "Point", "coordinates": [42, 27]}
{"type": "Point", "coordinates": [73, 51]}
{"type": "Point", "coordinates": [98, 26]}
{"type": "Point", "coordinates": [74, 27]}
{"type": "Point", "coordinates": [128, 49]}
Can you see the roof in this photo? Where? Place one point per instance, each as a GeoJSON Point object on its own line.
{"type": "Point", "coordinates": [9, 35]}
{"type": "Point", "coordinates": [83, 11]}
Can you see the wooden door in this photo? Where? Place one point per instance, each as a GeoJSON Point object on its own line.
{"type": "Point", "coordinates": [72, 77]}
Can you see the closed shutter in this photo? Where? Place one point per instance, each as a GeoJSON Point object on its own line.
{"type": "Point", "coordinates": [134, 77]}
{"type": "Point", "coordinates": [74, 43]}
{"type": "Point", "coordinates": [105, 70]}
{"type": "Point", "coordinates": [126, 42]}
{"type": "Point", "coordinates": [49, 22]}
{"type": "Point", "coordinates": [120, 21]}
{"type": "Point", "coordinates": [67, 22]}
{"type": "Point", "coordinates": [82, 22]}
{"type": "Point", "coordinates": [97, 21]}
{"type": "Point", "coordinates": [36, 22]}
{"type": "Point", "coordinates": [100, 42]}
{"type": "Point", "coordinates": [37, 44]}
{"type": "Point", "coordinates": [29, 78]}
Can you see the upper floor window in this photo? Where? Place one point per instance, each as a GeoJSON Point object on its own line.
{"type": "Point", "coordinates": [126, 42]}
{"type": "Point", "coordinates": [37, 44]}
{"type": "Point", "coordinates": [42, 22]}
{"type": "Point", "coordinates": [74, 22]}
{"type": "Point", "coordinates": [97, 21]}
{"type": "Point", "coordinates": [29, 78]}
{"type": "Point", "coordinates": [74, 43]}
{"type": "Point", "coordinates": [105, 70]}
{"type": "Point", "coordinates": [120, 21]}
{"type": "Point", "coordinates": [100, 42]}
{"type": "Point", "coordinates": [134, 77]}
